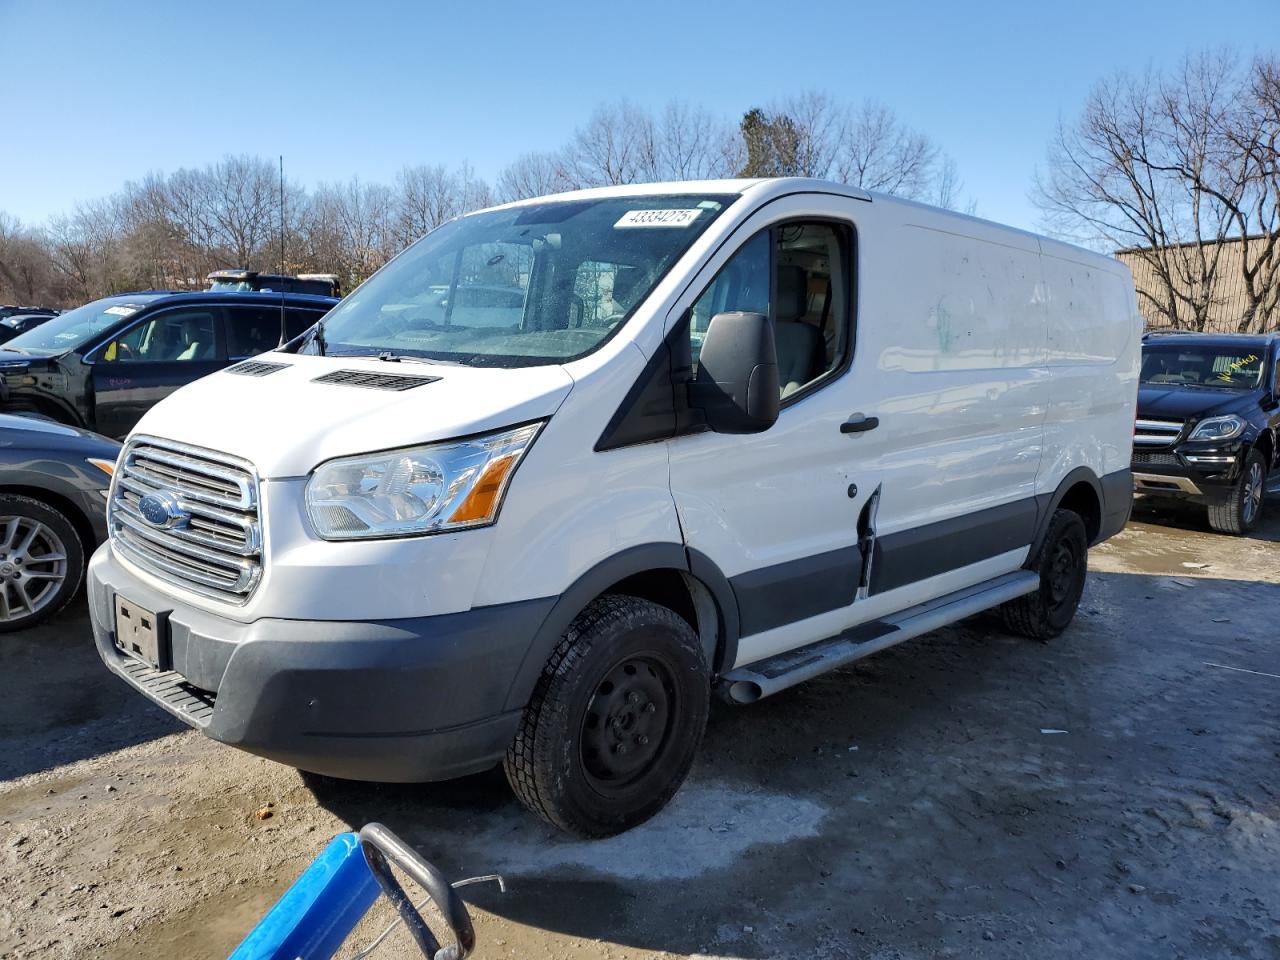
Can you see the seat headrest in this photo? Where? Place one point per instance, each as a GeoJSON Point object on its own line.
{"type": "Point", "coordinates": [625, 282]}
{"type": "Point", "coordinates": [793, 292]}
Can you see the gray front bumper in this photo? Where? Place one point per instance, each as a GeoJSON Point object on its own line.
{"type": "Point", "coordinates": [391, 700]}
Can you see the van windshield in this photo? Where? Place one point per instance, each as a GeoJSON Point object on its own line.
{"type": "Point", "coordinates": [527, 285]}
{"type": "Point", "coordinates": [73, 328]}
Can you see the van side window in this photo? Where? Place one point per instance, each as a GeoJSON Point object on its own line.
{"type": "Point", "coordinates": [798, 273]}
{"type": "Point", "coordinates": [742, 284]}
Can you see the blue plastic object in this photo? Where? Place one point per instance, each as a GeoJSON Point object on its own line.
{"type": "Point", "coordinates": [317, 914]}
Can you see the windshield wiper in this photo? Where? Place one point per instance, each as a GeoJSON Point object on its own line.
{"type": "Point", "coordinates": [386, 356]}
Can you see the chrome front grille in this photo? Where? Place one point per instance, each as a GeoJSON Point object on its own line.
{"type": "Point", "coordinates": [213, 545]}
{"type": "Point", "coordinates": [1156, 433]}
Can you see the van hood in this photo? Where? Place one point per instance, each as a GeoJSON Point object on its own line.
{"type": "Point", "coordinates": [1185, 403]}
{"type": "Point", "coordinates": [286, 423]}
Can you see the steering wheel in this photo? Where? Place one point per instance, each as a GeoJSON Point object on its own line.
{"type": "Point", "coordinates": [380, 845]}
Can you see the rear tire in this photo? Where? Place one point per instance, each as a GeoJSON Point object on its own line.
{"type": "Point", "coordinates": [1062, 562]}
{"type": "Point", "coordinates": [42, 562]}
{"type": "Point", "coordinates": [614, 721]}
{"type": "Point", "coordinates": [1241, 511]}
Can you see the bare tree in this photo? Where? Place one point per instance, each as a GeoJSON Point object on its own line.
{"type": "Point", "coordinates": [242, 197]}
{"type": "Point", "coordinates": [531, 175]}
{"type": "Point", "coordinates": [23, 266]}
{"type": "Point", "coordinates": [428, 196]}
{"type": "Point", "coordinates": [1251, 158]}
{"type": "Point", "coordinates": [354, 228]}
{"type": "Point", "coordinates": [1174, 169]}
{"type": "Point", "coordinates": [689, 143]}
{"type": "Point", "coordinates": [877, 151]}
{"type": "Point", "coordinates": [616, 145]}
{"type": "Point", "coordinates": [168, 231]}
{"type": "Point", "coordinates": [868, 146]}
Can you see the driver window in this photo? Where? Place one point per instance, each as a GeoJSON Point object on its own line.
{"type": "Point", "coordinates": [176, 335]}
{"type": "Point", "coordinates": [127, 346]}
{"type": "Point", "coordinates": [798, 273]}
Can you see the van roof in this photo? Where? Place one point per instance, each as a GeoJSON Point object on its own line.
{"type": "Point", "coordinates": [767, 188]}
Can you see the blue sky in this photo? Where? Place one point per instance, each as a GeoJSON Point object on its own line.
{"type": "Point", "coordinates": [96, 93]}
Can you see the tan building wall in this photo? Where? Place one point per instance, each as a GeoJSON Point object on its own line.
{"type": "Point", "coordinates": [1228, 302]}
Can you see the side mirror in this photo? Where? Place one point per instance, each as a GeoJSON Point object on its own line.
{"type": "Point", "coordinates": [737, 383]}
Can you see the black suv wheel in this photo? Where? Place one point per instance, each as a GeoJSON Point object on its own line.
{"type": "Point", "coordinates": [1241, 511]}
{"type": "Point", "coordinates": [615, 719]}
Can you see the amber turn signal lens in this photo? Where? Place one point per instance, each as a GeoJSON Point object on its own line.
{"type": "Point", "coordinates": [482, 502]}
{"type": "Point", "coordinates": [106, 466]}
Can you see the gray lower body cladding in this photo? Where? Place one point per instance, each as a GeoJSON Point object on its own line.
{"type": "Point", "coordinates": [393, 700]}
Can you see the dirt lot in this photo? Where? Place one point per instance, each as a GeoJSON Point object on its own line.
{"type": "Point", "coordinates": [1115, 794]}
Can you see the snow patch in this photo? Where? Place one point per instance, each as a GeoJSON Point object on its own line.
{"type": "Point", "coordinates": [706, 827]}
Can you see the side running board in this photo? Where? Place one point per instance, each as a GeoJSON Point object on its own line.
{"type": "Point", "coordinates": [765, 677]}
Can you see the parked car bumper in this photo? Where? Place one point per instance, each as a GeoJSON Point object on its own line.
{"type": "Point", "coordinates": [1206, 474]}
{"type": "Point", "coordinates": [396, 700]}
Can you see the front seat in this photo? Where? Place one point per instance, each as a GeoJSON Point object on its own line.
{"type": "Point", "coordinates": [799, 344]}
{"type": "Point", "coordinates": [198, 343]}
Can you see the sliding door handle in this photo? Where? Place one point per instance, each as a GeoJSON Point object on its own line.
{"type": "Point", "coordinates": [859, 424]}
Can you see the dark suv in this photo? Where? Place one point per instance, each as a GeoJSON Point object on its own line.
{"type": "Point", "coordinates": [1208, 416]}
{"type": "Point", "coordinates": [103, 365]}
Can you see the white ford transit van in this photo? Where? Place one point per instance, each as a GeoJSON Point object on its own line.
{"type": "Point", "coordinates": [566, 467]}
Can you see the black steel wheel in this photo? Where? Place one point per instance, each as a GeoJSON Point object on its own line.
{"type": "Point", "coordinates": [627, 722]}
{"type": "Point", "coordinates": [1063, 563]}
{"type": "Point", "coordinates": [615, 719]}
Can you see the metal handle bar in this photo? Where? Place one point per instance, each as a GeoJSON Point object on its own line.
{"type": "Point", "coordinates": [381, 845]}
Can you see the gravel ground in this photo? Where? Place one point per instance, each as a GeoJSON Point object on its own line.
{"type": "Point", "coordinates": [968, 794]}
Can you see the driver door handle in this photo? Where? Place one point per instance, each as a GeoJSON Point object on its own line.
{"type": "Point", "coordinates": [859, 423]}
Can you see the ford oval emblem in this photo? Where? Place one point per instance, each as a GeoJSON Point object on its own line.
{"type": "Point", "coordinates": [161, 509]}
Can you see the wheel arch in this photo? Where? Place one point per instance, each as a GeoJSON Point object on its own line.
{"type": "Point", "coordinates": [684, 581]}
{"type": "Point", "coordinates": [64, 505]}
{"type": "Point", "coordinates": [1080, 491]}
{"type": "Point", "coordinates": [54, 408]}
{"type": "Point", "coordinates": [1265, 443]}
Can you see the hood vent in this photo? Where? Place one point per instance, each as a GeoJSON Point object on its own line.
{"type": "Point", "coordinates": [256, 368]}
{"type": "Point", "coordinates": [374, 381]}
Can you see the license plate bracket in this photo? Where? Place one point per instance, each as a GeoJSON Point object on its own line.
{"type": "Point", "coordinates": [142, 634]}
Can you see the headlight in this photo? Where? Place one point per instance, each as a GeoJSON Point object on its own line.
{"type": "Point", "coordinates": [1218, 428]}
{"type": "Point", "coordinates": [416, 490]}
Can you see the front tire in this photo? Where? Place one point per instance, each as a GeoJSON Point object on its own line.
{"type": "Point", "coordinates": [42, 562]}
{"type": "Point", "coordinates": [1062, 562]}
{"type": "Point", "coordinates": [1241, 511]}
{"type": "Point", "coordinates": [615, 719]}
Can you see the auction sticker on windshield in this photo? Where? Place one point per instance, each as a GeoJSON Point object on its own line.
{"type": "Point", "coordinates": [121, 311]}
{"type": "Point", "coordinates": [657, 218]}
